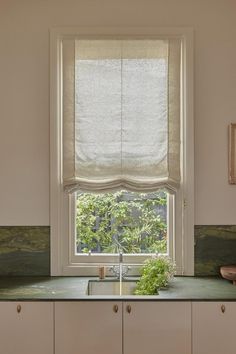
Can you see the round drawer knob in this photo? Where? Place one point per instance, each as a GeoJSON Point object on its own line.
{"type": "Point", "coordinates": [223, 308]}
{"type": "Point", "coordinates": [128, 308]}
{"type": "Point", "coordinates": [115, 308]}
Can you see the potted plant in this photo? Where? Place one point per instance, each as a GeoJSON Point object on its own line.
{"type": "Point", "coordinates": [155, 274]}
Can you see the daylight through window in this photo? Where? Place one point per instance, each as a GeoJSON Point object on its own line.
{"type": "Point", "coordinates": [126, 222]}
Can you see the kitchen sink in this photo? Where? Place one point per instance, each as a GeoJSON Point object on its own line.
{"type": "Point", "coordinates": [111, 287]}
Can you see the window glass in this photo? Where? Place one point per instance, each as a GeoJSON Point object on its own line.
{"type": "Point", "coordinates": [128, 222]}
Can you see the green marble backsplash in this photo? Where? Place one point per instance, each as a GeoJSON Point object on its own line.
{"type": "Point", "coordinates": [215, 246]}
{"type": "Point", "coordinates": [25, 250]}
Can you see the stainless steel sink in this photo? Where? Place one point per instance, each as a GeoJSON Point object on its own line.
{"type": "Point", "coordinates": [111, 287]}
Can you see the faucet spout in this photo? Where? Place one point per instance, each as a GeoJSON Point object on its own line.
{"type": "Point", "coordinates": [120, 270]}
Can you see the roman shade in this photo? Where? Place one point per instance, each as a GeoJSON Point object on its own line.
{"type": "Point", "coordinates": [121, 114]}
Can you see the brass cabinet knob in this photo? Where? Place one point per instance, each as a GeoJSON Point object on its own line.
{"type": "Point", "coordinates": [115, 308]}
{"type": "Point", "coordinates": [223, 308]}
{"type": "Point", "coordinates": [18, 308]}
{"type": "Point", "coordinates": [128, 308]}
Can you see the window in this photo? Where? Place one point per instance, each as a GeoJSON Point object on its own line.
{"type": "Point", "coordinates": [121, 125]}
{"type": "Point", "coordinates": [127, 222]}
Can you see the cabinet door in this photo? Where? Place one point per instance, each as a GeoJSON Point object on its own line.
{"type": "Point", "coordinates": [26, 328]}
{"type": "Point", "coordinates": [214, 327]}
{"type": "Point", "coordinates": [157, 327]}
{"type": "Point", "coordinates": [88, 327]}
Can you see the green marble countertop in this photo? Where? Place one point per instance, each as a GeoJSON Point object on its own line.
{"type": "Point", "coordinates": [75, 288]}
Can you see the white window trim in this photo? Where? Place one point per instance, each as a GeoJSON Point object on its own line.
{"type": "Point", "coordinates": [183, 244]}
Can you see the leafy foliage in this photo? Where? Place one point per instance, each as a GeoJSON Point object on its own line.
{"type": "Point", "coordinates": [155, 274]}
{"type": "Point", "coordinates": [122, 221]}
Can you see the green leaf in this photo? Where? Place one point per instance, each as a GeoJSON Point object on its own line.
{"type": "Point", "coordinates": [155, 274]}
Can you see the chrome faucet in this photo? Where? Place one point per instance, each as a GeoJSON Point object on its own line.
{"type": "Point", "coordinates": [120, 258]}
{"type": "Point", "coordinates": [120, 271]}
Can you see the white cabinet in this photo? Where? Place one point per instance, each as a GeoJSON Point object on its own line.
{"type": "Point", "coordinates": [26, 328]}
{"type": "Point", "coordinates": [88, 327]}
{"type": "Point", "coordinates": [213, 327]}
{"type": "Point", "coordinates": [148, 327]}
{"type": "Point", "coordinates": [116, 327]}
{"type": "Point", "coordinates": [157, 327]}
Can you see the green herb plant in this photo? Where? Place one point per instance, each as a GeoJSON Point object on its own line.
{"type": "Point", "coordinates": [155, 274]}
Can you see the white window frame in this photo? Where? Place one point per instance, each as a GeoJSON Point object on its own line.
{"type": "Point", "coordinates": [181, 247]}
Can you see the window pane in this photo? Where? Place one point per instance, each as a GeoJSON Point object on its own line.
{"type": "Point", "coordinates": [134, 223]}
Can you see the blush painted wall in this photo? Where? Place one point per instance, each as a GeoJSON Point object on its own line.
{"type": "Point", "coordinates": [24, 95]}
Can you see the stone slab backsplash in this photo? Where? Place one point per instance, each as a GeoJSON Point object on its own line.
{"type": "Point", "coordinates": [25, 250]}
{"type": "Point", "coordinates": [215, 246]}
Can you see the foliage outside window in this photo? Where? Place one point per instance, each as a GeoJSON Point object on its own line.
{"type": "Point", "coordinates": [128, 222]}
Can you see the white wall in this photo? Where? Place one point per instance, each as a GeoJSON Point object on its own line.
{"type": "Point", "coordinates": [24, 95]}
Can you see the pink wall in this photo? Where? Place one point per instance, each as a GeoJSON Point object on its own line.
{"type": "Point", "coordinates": [24, 95]}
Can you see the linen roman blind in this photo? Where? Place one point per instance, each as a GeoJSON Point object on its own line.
{"type": "Point", "coordinates": [121, 114]}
